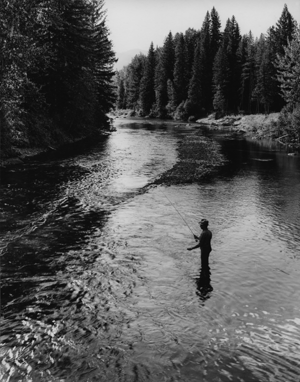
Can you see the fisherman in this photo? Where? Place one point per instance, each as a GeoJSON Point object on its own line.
{"type": "Point", "coordinates": [204, 243]}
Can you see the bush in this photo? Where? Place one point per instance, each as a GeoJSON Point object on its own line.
{"type": "Point", "coordinates": [295, 119]}
{"type": "Point", "coordinates": [180, 113]}
{"type": "Point", "coordinates": [289, 125]}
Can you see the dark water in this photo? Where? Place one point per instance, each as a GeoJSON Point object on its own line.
{"type": "Point", "coordinates": [97, 284]}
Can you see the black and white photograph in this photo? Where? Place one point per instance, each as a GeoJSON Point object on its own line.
{"type": "Point", "coordinates": [150, 191]}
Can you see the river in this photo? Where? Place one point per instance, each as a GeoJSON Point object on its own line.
{"type": "Point", "coordinates": [96, 281]}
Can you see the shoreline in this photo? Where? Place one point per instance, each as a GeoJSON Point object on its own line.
{"type": "Point", "coordinates": [257, 126]}
{"type": "Point", "coordinates": [30, 154]}
{"type": "Point", "coordinates": [254, 126]}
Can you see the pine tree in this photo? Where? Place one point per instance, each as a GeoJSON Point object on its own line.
{"type": "Point", "coordinates": [226, 72]}
{"type": "Point", "coordinates": [134, 76]}
{"type": "Point", "coordinates": [147, 90]}
{"type": "Point", "coordinates": [102, 59]}
{"type": "Point", "coordinates": [219, 102]}
{"type": "Point", "coordinates": [247, 68]}
{"type": "Point", "coordinates": [121, 100]}
{"type": "Point", "coordinates": [180, 71]}
{"type": "Point", "coordinates": [264, 90]}
{"type": "Point", "coordinates": [278, 37]}
{"type": "Point", "coordinates": [195, 103]}
{"type": "Point", "coordinates": [235, 73]}
{"type": "Point", "coordinates": [191, 37]}
{"type": "Point", "coordinates": [215, 33]}
{"type": "Point", "coordinates": [19, 54]}
{"type": "Point", "coordinates": [206, 64]}
{"type": "Point", "coordinates": [57, 62]}
{"type": "Point", "coordinates": [220, 80]}
{"type": "Point", "coordinates": [199, 94]}
{"type": "Point", "coordinates": [244, 87]}
{"type": "Point", "coordinates": [77, 77]}
{"type": "Point", "coordinates": [284, 30]}
{"type": "Point", "coordinates": [288, 75]}
{"type": "Point", "coordinates": [164, 72]}
{"type": "Point", "coordinates": [288, 69]}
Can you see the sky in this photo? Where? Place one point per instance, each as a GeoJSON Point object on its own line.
{"type": "Point", "coordinates": [134, 24]}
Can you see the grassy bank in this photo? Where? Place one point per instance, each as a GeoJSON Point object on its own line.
{"type": "Point", "coordinates": [258, 126]}
{"type": "Point", "coordinates": [273, 126]}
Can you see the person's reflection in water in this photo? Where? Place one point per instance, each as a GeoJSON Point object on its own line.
{"type": "Point", "coordinates": [204, 243]}
{"type": "Point", "coordinates": [204, 287]}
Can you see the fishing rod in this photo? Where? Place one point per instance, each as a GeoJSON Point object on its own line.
{"type": "Point", "coordinates": [178, 213]}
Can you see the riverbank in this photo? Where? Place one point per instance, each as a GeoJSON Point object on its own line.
{"type": "Point", "coordinates": [20, 155]}
{"type": "Point", "coordinates": [200, 157]}
{"type": "Point", "coordinates": [256, 126]}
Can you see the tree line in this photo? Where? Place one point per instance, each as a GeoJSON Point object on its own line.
{"type": "Point", "coordinates": [56, 69]}
{"type": "Point", "coordinates": [203, 71]}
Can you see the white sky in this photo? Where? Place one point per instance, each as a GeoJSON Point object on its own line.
{"type": "Point", "coordinates": [135, 23]}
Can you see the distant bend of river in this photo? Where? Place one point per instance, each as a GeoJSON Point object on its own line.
{"type": "Point", "coordinates": [97, 284]}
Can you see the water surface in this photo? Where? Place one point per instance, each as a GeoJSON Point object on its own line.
{"type": "Point", "coordinates": [97, 284]}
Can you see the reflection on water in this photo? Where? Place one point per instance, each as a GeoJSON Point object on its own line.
{"type": "Point", "coordinates": [97, 284]}
{"type": "Point", "coordinates": [203, 283]}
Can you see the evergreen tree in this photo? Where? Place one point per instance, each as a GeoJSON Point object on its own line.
{"type": "Point", "coordinates": [57, 66]}
{"type": "Point", "coordinates": [147, 91]}
{"type": "Point", "coordinates": [102, 59]}
{"type": "Point", "coordinates": [180, 72]}
{"type": "Point", "coordinates": [244, 88]}
{"type": "Point", "coordinates": [226, 71]}
{"type": "Point", "coordinates": [191, 37]}
{"type": "Point", "coordinates": [215, 34]}
{"type": "Point", "coordinates": [121, 100]}
{"type": "Point", "coordinates": [264, 90]}
{"type": "Point", "coordinates": [77, 77]}
{"type": "Point", "coordinates": [220, 80]}
{"type": "Point", "coordinates": [288, 67]}
{"type": "Point", "coordinates": [164, 72]}
{"type": "Point", "coordinates": [215, 42]}
{"type": "Point", "coordinates": [284, 30]}
{"type": "Point", "coordinates": [199, 94]}
{"type": "Point", "coordinates": [235, 73]}
{"type": "Point", "coordinates": [278, 38]}
{"type": "Point", "coordinates": [206, 64]}
{"type": "Point", "coordinates": [19, 55]}
{"type": "Point", "coordinates": [219, 103]}
{"type": "Point", "coordinates": [161, 86]}
{"type": "Point", "coordinates": [134, 76]}
{"type": "Point", "coordinates": [194, 102]}
{"type": "Point", "coordinates": [247, 68]}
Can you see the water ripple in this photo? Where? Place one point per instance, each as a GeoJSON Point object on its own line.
{"type": "Point", "coordinates": [97, 284]}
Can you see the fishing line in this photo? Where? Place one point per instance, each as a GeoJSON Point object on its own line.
{"type": "Point", "coordinates": [177, 212]}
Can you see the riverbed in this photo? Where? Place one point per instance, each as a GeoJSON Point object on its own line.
{"type": "Point", "coordinates": [97, 284]}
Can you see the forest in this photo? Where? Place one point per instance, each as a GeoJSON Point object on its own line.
{"type": "Point", "coordinates": [58, 83]}
{"type": "Point", "coordinates": [56, 69]}
{"type": "Point", "coordinates": [206, 71]}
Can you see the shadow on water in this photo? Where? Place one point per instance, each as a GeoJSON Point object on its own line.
{"type": "Point", "coordinates": [39, 252]}
{"type": "Point", "coordinates": [40, 229]}
{"type": "Point", "coordinates": [28, 191]}
{"type": "Point", "coordinates": [242, 152]}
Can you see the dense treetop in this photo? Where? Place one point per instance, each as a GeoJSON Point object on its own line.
{"type": "Point", "coordinates": [56, 70]}
{"type": "Point", "coordinates": [209, 70]}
